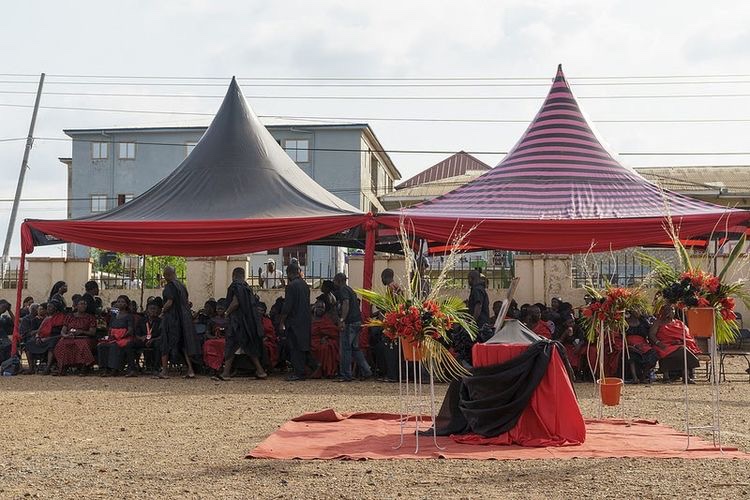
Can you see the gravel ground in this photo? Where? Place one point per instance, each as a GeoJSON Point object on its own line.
{"type": "Point", "coordinates": [86, 437]}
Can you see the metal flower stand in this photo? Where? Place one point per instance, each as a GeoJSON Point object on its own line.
{"type": "Point", "coordinates": [412, 400]}
{"type": "Point", "coordinates": [600, 354]}
{"type": "Point", "coordinates": [715, 426]}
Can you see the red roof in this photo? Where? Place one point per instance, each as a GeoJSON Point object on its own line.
{"type": "Point", "coordinates": [457, 164]}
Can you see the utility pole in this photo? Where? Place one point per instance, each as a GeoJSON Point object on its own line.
{"type": "Point", "coordinates": [21, 176]}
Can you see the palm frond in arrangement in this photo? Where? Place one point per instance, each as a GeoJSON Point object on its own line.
{"type": "Point", "coordinates": [423, 322]}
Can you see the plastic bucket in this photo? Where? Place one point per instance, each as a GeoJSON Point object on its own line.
{"type": "Point", "coordinates": [700, 320]}
{"type": "Point", "coordinates": [412, 352]}
{"type": "Point", "coordinates": [610, 389]}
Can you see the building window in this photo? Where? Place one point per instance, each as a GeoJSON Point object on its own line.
{"type": "Point", "coordinates": [127, 151]}
{"type": "Point", "coordinates": [99, 150]}
{"type": "Point", "coordinates": [374, 171]}
{"type": "Point", "coordinates": [99, 202]}
{"type": "Point", "coordinates": [123, 199]}
{"type": "Point", "coordinates": [298, 149]}
{"type": "Point", "coordinates": [189, 147]}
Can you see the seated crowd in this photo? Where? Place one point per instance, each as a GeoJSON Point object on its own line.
{"type": "Point", "coordinates": [240, 334]}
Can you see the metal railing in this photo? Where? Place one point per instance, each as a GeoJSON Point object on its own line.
{"type": "Point", "coordinates": [498, 270]}
{"type": "Point", "coordinates": [130, 279]}
{"type": "Point", "coordinates": [622, 268]}
{"type": "Point", "coordinates": [9, 279]}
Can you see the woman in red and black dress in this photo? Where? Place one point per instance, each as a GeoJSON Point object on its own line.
{"type": "Point", "coordinates": [213, 346]}
{"type": "Point", "coordinates": [110, 353]}
{"type": "Point", "coordinates": [47, 336]}
{"type": "Point", "coordinates": [78, 336]}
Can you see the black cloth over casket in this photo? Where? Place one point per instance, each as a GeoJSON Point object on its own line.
{"type": "Point", "coordinates": [491, 401]}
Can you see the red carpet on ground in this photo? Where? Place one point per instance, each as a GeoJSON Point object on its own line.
{"type": "Point", "coordinates": [327, 435]}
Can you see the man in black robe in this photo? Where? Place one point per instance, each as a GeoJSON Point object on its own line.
{"type": "Point", "coordinates": [296, 320]}
{"type": "Point", "coordinates": [245, 328]}
{"type": "Point", "coordinates": [178, 338]}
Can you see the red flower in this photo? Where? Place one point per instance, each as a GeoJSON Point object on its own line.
{"type": "Point", "coordinates": [703, 302]}
{"type": "Point", "coordinates": [588, 312]}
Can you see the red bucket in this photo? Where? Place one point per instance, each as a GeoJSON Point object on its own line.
{"type": "Point", "coordinates": [610, 389]}
{"type": "Point", "coordinates": [700, 320]}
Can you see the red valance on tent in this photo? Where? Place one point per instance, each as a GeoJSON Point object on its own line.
{"type": "Point", "coordinates": [560, 190]}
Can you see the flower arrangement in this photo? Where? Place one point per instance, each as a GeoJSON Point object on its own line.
{"type": "Point", "coordinates": [423, 323]}
{"type": "Point", "coordinates": [608, 308]}
{"type": "Point", "coordinates": [692, 286]}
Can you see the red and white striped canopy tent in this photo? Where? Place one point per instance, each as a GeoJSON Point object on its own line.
{"type": "Point", "coordinates": [560, 190]}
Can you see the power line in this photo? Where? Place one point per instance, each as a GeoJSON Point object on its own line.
{"type": "Point", "coordinates": [407, 98]}
{"type": "Point", "coordinates": [384, 78]}
{"type": "Point", "coordinates": [428, 151]}
{"type": "Point", "coordinates": [385, 85]}
{"type": "Point", "coordinates": [385, 119]}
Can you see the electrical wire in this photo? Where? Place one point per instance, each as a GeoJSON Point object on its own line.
{"type": "Point", "coordinates": [382, 119]}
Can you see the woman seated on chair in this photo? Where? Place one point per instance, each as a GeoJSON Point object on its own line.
{"type": "Point", "coordinates": [78, 336]}
{"type": "Point", "coordinates": [216, 326]}
{"type": "Point", "coordinates": [47, 336]}
{"type": "Point", "coordinates": [668, 333]}
{"type": "Point", "coordinates": [642, 355]}
{"type": "Point", "coordinates": [110, 353]}
{"type": "Point", "coordinates": [324, 341]}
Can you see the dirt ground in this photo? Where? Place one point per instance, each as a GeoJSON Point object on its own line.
{"type": "Point", "coordinates": [87, 437]}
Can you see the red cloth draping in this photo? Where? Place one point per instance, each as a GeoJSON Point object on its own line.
{"type": "Point", "coordinates": [553, 417]}
{"type": "Point", "coordinates": [190, 238]}
{"type": "Point", "coordinates": [213, 353]}
{"type": "Point", "coordinates": [670, 334]}
{"type": "Point", "coordinates": [560, 236]}
{"type": "Point", "coordinates": [325, 345]}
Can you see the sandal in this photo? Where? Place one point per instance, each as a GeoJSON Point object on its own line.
{"type": "Point", "coordinates": [261, 377]}
{"type": "Point", "coordinates": [220, 378]}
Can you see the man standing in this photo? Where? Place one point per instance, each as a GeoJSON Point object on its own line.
{"type": "Point", "coordinates": [245, 326]}
{"type": "Point", "coordinates": [296, 320]}
{"type": "Point", "coordinates": [479, 301]}
{"type": "Point", "coordinates": [178, 336]}
{"type": "Point", "coordinates": [271, 277]}
{"type": "Point", "coordinates": [92, 291]}
{"type": "Point", "coordinates": [350, 320]}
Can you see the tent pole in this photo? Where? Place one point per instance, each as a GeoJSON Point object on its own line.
{"type": "Point", "coordinates": [371, 229]}
{"type": "Point", "coordinates": [19, 298]}
{"type": "Point", "coordinates": [143, 279]}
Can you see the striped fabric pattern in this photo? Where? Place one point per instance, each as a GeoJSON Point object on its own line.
{"type": "Point", "coordinates": [453, 166]}
{"type": "Point", "coordinates": [560, 171]}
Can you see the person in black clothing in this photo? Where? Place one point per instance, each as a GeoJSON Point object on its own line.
{"type": "Point", "coordinates": [178, 338]}
{"type": "Point", "coordinates": [479, 301]}
{"type": "Point", "coordinates": [296, 321]}
{"type": "Point", "coordinates": [25, 307]}
{"type": "Point", "coordinates": [93, 303]}
{"type": "Point", "coordinates": [56, 294]}
{"type": "Point", "coordinates": [245, 326]}
{"type": "Point", "coordinates": [350, 324]}
{"type": "Point", "coordinates": [6, 329]}
{"type": "Point", "coordinates": [147, 333]}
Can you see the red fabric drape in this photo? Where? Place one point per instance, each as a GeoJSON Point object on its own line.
{"type": "Point", "coordinates": [562, 236]}
{"type": "Point", "coordinates": [192, 238]}
{"type": "Point", "coordinates": [552, 418]}
{"type": "Point", "coordinates": [371, 233]}
{"type": "Point", "coordinates": [19, 295]}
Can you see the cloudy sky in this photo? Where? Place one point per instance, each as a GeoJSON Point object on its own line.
{"type": "Point", "coordinates": [691, 41]}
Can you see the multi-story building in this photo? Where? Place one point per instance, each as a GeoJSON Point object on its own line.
{"type": "Point", "coordinates": [109, 167]}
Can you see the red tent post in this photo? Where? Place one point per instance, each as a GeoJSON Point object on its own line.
{"type": "Point", "coordinates": [19, 298]}
{"type": "Point", "coordinates": [371, 233]}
